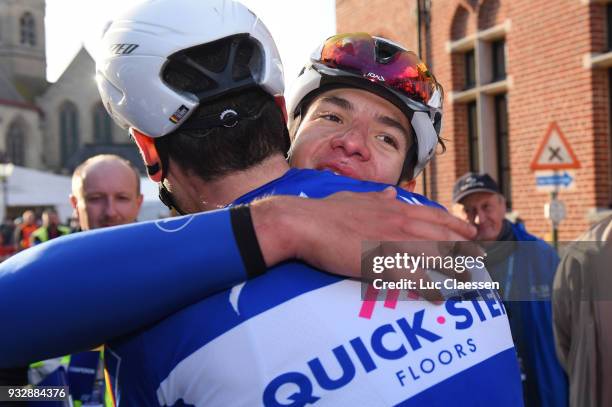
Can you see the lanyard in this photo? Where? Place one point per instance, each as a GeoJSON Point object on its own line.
{"type": "Point", "coordinates": [509, 274]}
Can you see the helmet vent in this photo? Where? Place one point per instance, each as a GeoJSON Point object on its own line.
{"type": "Point", "coordinates": [385, 52]}
{"type": "Point", "coordinates": [215, 68]}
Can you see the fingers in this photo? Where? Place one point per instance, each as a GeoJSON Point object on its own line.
{"type": "Point", "coordinates": [421, 229]}
{"type": "Point", "coordinates": [385, 202]}
{"type": "Point", "coordinates": [389, 193]}
{"type": "Point", "coordinates": [441, 218]}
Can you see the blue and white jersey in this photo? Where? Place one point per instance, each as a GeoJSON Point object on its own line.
{"type": "Point", "coordinates": [296, 336]}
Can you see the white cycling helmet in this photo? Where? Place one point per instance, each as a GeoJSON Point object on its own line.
{"type": "Point", "coordinates": [381, 67]}
{"type": "Point", "coordinates": [132, 66]}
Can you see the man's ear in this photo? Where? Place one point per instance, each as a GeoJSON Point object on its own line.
{"type": "Point", "coordinates": [149, 154]}
{"type": "Point", "coordinates": [139, 200]}
{"type": "Point", "coordinates": [73, 201]}
{"type": "Point", "coordinates": [75, 212]}
{"type": "Point", "coordinates": [408, 185]}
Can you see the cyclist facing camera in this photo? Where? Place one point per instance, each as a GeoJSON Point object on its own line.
{"type": "Point", "coordinates": [333, 125]}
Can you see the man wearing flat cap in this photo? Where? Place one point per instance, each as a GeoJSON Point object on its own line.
{"type": "Point", "coordinates": [524, 266]}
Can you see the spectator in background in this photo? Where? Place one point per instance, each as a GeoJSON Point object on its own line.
{"type": "Point", "coordinates": [105, 192]}
{"type": "Point", "coordinates": [50, 228]}
{"type": "Point", "coordinates": [7, 231]}
{"type": "Point", "coordinates": [525, 273]}
{"type": "Point", "coordinates": [24, 230]}
{"type": "Point", "coordinates": [582, 315]}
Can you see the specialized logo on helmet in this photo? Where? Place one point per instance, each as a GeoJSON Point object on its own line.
{"type": "Point", "coordinates": [123, 49]}
{"type": "Point", "coordinates": [179, 114]}
{"type": "Point", "coordinates": [375, 76]}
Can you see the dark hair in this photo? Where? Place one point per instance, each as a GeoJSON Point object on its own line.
{"type": "Point", "coordinates": [222, 74]}
{"type": "Point", "coordinates": [213, 152]}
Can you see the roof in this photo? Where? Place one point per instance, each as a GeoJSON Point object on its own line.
{"type": "Point", "coordinates": [125, 150]}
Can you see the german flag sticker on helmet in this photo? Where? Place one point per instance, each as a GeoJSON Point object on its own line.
{"type": "Point", "coordinates": [179, 114]}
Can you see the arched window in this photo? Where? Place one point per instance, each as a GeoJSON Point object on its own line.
{"type": "Point", "coordinates": [69, 130]}
{"type": "Point", "coordinates": [459, 25]}
{"type": "Point", "coordinates": [488, 14]}
{"type": "Point", "coordinates": [102, 125]}
{"type": "Point", "coordinates": [28, 29]}
{"type": "Point", "coordinates": [15, 143]}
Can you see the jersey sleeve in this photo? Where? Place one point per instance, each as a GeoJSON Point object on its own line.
{"type": "Point", "coordinates": [78, 291]}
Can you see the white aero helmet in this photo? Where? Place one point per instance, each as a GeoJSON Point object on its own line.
{"type": "Point", "coordinates": [377, 65]}
{"type": "Point", "coordinates": [132, 67]}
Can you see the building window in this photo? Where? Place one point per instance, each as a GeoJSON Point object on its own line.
{"type": "Point", "coordinates": [102, 125]}
{"type": "Point", "coordinates": [69, 130]}
{"type": "Point", "coordinates": [473, 141]}
{"type": "Point", "coordinates": [484, 77]}
{"type": "Point", "coordinates": [15, 144]}
{"type": "Point", "coordinates": [28, 29]}
{"type": "Point", "coordinates": [503, 147]}
{"type": "Point", "coordinates": [498, 60]}
{"type": "Point", "coordinates": [470, 69]}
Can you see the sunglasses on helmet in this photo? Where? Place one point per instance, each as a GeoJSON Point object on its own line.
{"type": "Point", "coordinates": [384, 63]}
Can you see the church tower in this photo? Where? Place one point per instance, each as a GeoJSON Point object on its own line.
{"type": "Point", "coordinates": [22, 45]}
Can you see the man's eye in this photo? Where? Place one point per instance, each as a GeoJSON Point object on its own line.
{"type": "Point", "coordinates": [388, 140]}
{"type": "Point", "coordinates": [331, 117]}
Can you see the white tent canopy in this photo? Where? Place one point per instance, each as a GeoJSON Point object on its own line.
{"type": "Point", "coordinates": [27, 187]}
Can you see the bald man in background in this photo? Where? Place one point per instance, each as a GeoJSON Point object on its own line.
{"type": "Point", "coordinates": [105, 192]}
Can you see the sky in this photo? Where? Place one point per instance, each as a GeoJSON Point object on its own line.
{"type": "Point", "coordinates": [298, 26]}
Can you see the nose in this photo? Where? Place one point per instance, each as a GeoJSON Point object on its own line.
{"type": "Point", "coordinates": [353, 142]}
{"type": "Point", "coordinates": [479, 218]}
{"type": "Point", "coordinates": [111, 208]}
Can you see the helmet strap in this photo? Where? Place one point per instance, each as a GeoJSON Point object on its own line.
{"type": "Point", "coordinates": [410, 163]}
{"type": "Point", "coordinates": [149, 155]}
{"type": "Point", "coordinates": [156, 162]}
{"type": "Point", "coordinates": [167, 199]}
{"type": "Point", "coordinates": [408, 185]}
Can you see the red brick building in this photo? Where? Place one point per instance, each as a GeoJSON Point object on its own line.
{"type": "Point", "coordinates": [510, 68]}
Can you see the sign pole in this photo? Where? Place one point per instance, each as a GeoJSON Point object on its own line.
{"type": "Point", "coordinates": [554, 154]}
{"type": "Point", "coordinates": [555, 230]}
